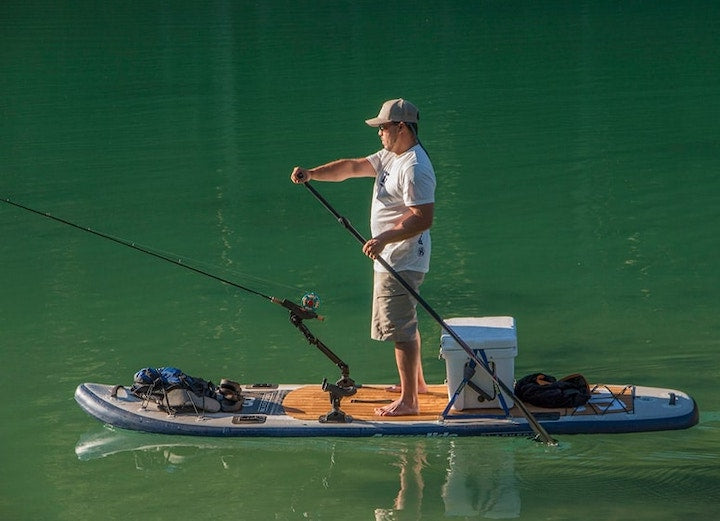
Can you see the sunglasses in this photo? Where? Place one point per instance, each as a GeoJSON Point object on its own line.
{"type": "Point", "coordinates": [385, 126]}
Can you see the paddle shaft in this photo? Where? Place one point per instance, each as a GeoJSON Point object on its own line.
{"type": "Point", "coordinates": [536, 427]}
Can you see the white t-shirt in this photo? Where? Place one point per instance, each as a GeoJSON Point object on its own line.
{"type": "Point", "coordinates": [402, 181]}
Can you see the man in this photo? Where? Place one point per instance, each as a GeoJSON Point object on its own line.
{"type": "Point", "coordinates": [401, 216]}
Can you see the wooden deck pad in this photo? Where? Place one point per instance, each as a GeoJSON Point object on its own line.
{"type": "Point", "coordinates": [310, 402]}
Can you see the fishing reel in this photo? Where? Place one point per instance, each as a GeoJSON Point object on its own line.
{"type": "Point", "coordinates": [306, 310]}
{"type": "Point", "coordinates": [310, 301]}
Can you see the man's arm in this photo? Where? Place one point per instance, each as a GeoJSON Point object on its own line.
{"type": "Point", "coordinates": [415, 221]}
{"type": "Point", "coordinates": [334, 171]}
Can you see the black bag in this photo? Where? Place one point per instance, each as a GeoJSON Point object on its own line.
{"type": "Point", "coordinates": [175, 391]}
{"type": "Point", "coordinates": [546, 391]}
{"type": "Point", "coordinates": [150, 380]}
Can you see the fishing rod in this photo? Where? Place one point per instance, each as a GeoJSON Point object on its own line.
{"type": "Point", "coordinates": [540, 432]}
{"type": "Point", "coordinates": [310, 301]}
{"type": "Point", "coordinates": [304, 312]}
{"type": "Point", "coordinates": [344, 387]}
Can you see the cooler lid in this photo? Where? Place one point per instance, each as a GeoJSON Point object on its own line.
{"type": "Point", "coordinates": [481, 332]}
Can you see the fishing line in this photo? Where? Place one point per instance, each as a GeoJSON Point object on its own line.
{"type": "Point", "coordinates": [227, 271]}
{"type": "Point", "coordinates": [310, 300]}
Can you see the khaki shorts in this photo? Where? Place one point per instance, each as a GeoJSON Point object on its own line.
{"type": "Point", "coordinates": [394, 313]}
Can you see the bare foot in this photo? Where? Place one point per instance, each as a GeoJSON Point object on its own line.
{"type": "Point", "coordinates": [397, 389]}
{"type": "Point", "coordinates": [397, 408]}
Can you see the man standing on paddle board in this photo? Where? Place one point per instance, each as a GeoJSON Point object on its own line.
{"type": "Point", "coordinates": [401, 217]}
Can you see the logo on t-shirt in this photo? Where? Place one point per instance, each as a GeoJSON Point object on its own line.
{"type": "Point", "coordinates": [381, 180]}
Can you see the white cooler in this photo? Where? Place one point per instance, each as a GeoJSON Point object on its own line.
{"type": "Point", "coordinates": [498, 338]}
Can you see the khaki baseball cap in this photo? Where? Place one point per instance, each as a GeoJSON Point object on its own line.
{"type": "Point", "coordinates": [395, 110]}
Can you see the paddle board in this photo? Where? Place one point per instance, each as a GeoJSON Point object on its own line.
{"type": "Point", "coordinates": [300, 411]}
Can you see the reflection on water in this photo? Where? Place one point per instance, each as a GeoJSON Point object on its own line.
{"type": "Point", "coordinates": [469, 490]}
{"type": "Point", "coordinates": [424, 470]}
{"type": "Point", "coordinates": [411, 485]}
{"type": "Point", "coordinates": [490, 491]}
{"type": "Point", "coordinates": [426, 478]}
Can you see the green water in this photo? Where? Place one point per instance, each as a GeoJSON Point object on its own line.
{"type": "Point", "coordinates": [577, 148]}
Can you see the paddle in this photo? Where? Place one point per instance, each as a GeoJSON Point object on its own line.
{"type": "Point", "coordinates": [541, 433]}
